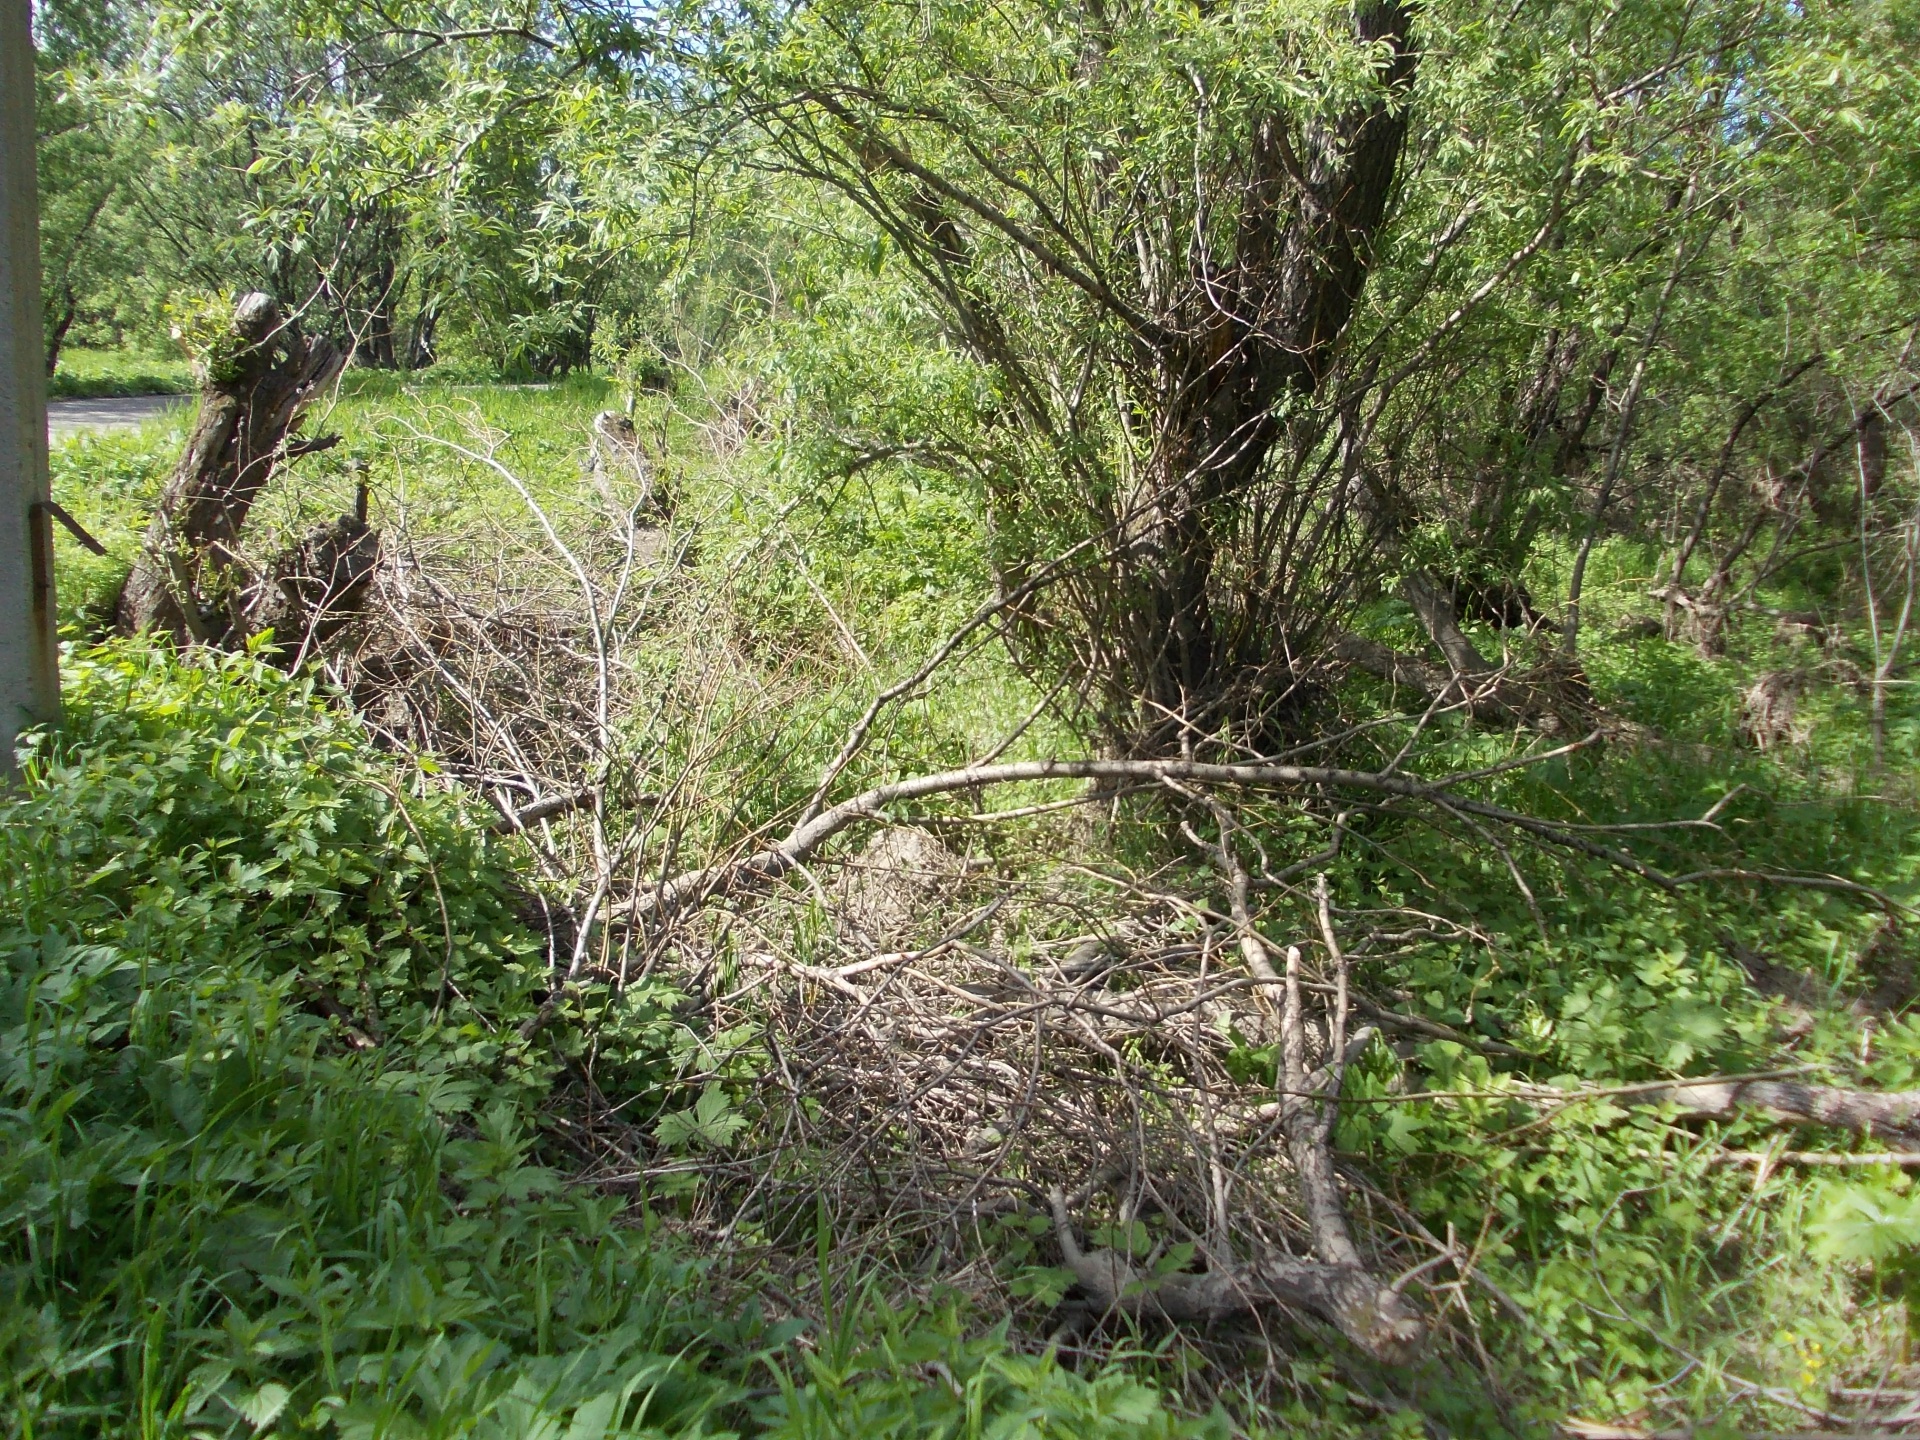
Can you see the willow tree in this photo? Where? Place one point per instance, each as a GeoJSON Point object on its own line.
{"type": "Point", "coordinates": [1152, 223]}
{"type": "Point", "coordinates": [1216, 257]}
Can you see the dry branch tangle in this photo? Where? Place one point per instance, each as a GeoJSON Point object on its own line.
{"type": "Point", "coordinates": [923, 1069]}
{"type": "Point", "coordinates": [952, 1063]}
{"type": "Point", "coordinates": [1547, 701]}
{"type": "Point", "coordinates": [937, 1072]}
{"type": "Point", "coordinates": [1375, 1317]}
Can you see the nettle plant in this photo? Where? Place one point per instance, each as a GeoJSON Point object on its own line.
{"type": "Point", "coordinates": [268, 1160]}
{"type": "Point", "coordinates": [219, 827]}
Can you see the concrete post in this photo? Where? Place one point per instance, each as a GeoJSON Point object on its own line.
{"type": "Point", "coordinates": [29, 669]}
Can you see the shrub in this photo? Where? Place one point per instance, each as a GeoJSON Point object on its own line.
{"type": "Point", "coordinates": [267, 1152]}
{"type": "Point", "coordinates": [250, 982]}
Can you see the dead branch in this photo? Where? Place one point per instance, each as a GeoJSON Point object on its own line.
{"type": "Point", "coordinates": [1490, 697]}
{"type": "Point", "coordinates": [1346, 1296]}
{"type": "Point", "coordinates": [773, 862]}
{"type": "Point", "coordinates": [1895, 1113]}
{"type": "Point", "coordinates": [694, 887]}
{"type": "Point", "coordinates": [512, 822]}
{"type": "Point", "coordinates": [1373, 1315]}
{"type": "Point", "coordinates": [1891, 1114]}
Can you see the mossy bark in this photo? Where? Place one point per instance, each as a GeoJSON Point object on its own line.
{"type": "Point", "coordinates": [259, 379]}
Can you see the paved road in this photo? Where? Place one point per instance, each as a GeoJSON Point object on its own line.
{"type": "Point", "coordinates": [120, 412]}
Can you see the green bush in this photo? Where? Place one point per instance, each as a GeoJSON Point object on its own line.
{"type": "Point", "coordinates": [268, 1159]}
{"type": "Point", "coordinates": [249, 987]}
{"type": "Point", "coordinates": [215, 822]}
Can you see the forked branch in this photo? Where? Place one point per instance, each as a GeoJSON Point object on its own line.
{"type": "Point", "coordinates": [1336, 1286]}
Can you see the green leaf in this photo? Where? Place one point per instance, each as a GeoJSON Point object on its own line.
{"type": "Point", "coordinates": [263, 1406]}
{"type": "Point", "coordinates": [710, 1123]}
{"type": "Point", "coordinates": [1867, 1223]}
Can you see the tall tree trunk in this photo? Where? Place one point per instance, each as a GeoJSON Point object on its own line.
{"type": "Point", "coordinates": [63, 322]}
{"type": "Point", "coordinates": [1239, 338]}
{"type": "Point", "coordinates": [375, 347]}
{"type": "Point", "coordinates": [421, 339]}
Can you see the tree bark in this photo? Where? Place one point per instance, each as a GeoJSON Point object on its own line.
{"type": "Point", "coordinates": [1894, 1114]}
{"type": "Point", "coordinates": [189, 581]}
{"type": "Point", "coordinates": [57, 332]}
{"type": "Point", "coordinates": [1435, 610]}
{"type": "Point", "coordinates": [1237, 339]}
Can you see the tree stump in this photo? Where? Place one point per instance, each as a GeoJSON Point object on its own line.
{"type": "Point", "coordinates": [190, 581]}
{"type": "Point", "coordinates": [618, 458]}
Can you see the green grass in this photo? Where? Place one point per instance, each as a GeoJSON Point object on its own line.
{"type": "Point", "coordinates": [1632, 1254]}
{"type": "Point", "coordinates": [93, 374]}
{"type": "Point", "coordinates": [392, 429]}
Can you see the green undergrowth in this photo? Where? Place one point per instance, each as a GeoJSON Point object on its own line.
{"type": "Point", "coordinates": [1644, 1274]}
{"type": "Point", "coordinates": [93, 374]}
{"type": "Point", "coordinates": [271, 1154]}
{"type": "Point", "coordinates": [1627, 1271]}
